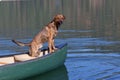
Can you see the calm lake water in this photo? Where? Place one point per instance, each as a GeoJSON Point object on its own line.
{"type": "Point", "coordinates": [91, 29]}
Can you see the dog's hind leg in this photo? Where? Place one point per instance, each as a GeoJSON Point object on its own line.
{"type": "Point", "coordinates": [33, 51]}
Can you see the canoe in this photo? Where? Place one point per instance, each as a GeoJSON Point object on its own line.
{"type": "Point", "coordinates": [16, 70]}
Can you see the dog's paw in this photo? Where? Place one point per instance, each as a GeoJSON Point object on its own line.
{"type": "Point", "coordinates": [55, 48]}
{"type": "Point", "coordinates": [34, 55]}
{"type": "Point", "coordinates": [51, 51]}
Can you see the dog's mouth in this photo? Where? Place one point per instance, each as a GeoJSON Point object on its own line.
{"type": "Point", "coordinates": [60, 22]}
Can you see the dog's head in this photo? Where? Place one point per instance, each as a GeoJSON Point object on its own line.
{"type": "Point", "coordinates": [59, 18]}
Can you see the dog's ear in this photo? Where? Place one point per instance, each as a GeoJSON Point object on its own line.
{"type": "Point", "coordinates": [55, 17]}
{"type": "Point", "coordinates": [64, 17]}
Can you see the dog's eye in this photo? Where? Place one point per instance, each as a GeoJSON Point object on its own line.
{"type": "Point", "coordinates": [63, 18]}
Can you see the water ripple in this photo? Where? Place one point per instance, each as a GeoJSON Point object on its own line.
{"type": "Point", "coordinates": [93, 66]}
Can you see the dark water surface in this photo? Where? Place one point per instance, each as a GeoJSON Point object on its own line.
{"type": "Point", "coordinates": [91, 29]}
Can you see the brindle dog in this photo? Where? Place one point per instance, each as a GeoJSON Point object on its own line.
{"type": "Point", "coordinates": [46, 35]}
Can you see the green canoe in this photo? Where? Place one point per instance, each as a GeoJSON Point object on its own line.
{"type": "Point", "coordinates": [24, 69]}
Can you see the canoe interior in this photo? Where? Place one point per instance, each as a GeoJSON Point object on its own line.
{"type": "Point", "coordinates": [20, 57]}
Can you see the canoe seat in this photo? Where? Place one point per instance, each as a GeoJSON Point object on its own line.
{"type": "Point", "coordinates": [23, 57]}
{"type": "Point", "coordinates": [6, 60]}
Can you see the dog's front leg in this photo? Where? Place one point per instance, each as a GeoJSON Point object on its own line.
{"type": "Point", "coordinates": [53, 45]}
{"type": "Point", "coordinates": [50, 45]}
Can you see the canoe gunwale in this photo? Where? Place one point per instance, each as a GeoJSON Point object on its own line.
{"type": "Point", "coordinates": [18, 53]}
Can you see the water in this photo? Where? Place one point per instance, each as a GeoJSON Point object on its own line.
{"type": "Point", "coordinates": [91, 29]}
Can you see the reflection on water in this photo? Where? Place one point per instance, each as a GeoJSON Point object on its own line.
{"type": "Point", "coordinates": [56, 74]}
{"type": "Point", "coordinates": [87, 18]}
{"type": "Point", "coordinates": [91, 29]}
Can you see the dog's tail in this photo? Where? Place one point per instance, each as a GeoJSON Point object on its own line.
{"type": "Point", "coordinates": [20, 43]}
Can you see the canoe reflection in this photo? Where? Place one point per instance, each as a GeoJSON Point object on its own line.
{"type": "Point", "coordinates": [59, 73]}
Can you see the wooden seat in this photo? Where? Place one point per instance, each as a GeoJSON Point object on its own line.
{"type": "Point", "coordinates": [6, 60]}
{"type": "Point", "coordinates": [23, 57]}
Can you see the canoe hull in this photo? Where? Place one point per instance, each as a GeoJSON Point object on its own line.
{"type": "Point", "coordinates": [33, 67]}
